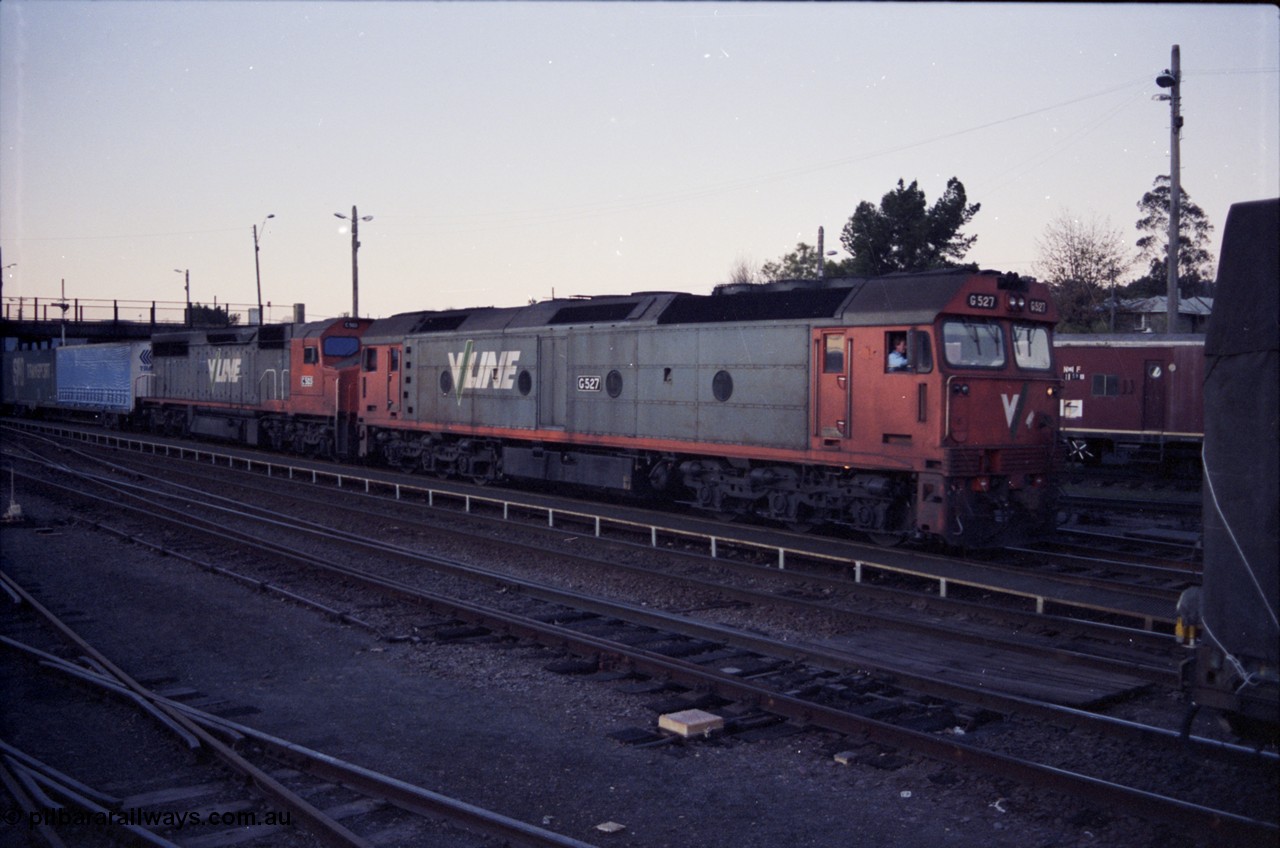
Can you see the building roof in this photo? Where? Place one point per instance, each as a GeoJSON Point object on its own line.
{"type": "Point", "coordinates": [1160, 305]}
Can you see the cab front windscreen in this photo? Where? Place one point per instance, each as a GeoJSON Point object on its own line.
{"type": "Point", "coordinates": [973, 343]}
{"type": "Point", "coordinates": [1032, 346]}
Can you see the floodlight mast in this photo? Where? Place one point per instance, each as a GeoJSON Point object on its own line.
{"type": "Point", "coordinates": [355, 266]}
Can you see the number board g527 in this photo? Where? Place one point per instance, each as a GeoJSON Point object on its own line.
{"type": "Point", "coordinates": [982, 301]}
{"type": "Point", "coordinates": [589, 383]}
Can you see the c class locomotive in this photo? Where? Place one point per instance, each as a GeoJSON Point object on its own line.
{"type": "Point", "coordinates": [282, 386]}
{"type": "Point", "coordinates": [908, 406]}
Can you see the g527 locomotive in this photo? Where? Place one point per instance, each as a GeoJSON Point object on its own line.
{"type": "Point", "coordinates": [906, 406]}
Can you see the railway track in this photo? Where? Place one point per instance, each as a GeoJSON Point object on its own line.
{"type": "Point", "coordinates": [811, 587]}
{"type": "Point", "coordinates": [806, 684]}
{"type": "Point", "coordinates": [194, 794]}
{"type": "Point", "coordinates": [760, 545]}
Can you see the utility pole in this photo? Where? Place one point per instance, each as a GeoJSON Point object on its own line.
{"type": "Point", "coordinates": [822, 259]}
{"type": "Point", "coordinates": [186, 281]}
{"type": "Point", "coordinates": [355, 265]}
{"type": "Point", "coordinates": [1172, 80]}
{"type": "Point", "coordinates": [257, 272]}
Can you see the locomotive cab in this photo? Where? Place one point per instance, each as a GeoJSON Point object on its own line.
{"type": "Point", "coordinates": [961, 400]}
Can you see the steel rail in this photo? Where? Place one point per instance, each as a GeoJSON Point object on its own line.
{"type": "Point", "coordinates": [793, 652]}
{"type": "Point", "coordinates": [1126, 799]}
{"type": "Point", "coordinates": [1151, 673]}
{"type": "Point", "coordinates": [402, 794]}
{"type": "Point", "coordinates": [327, 829]}
{"type": "Point", "coordinates": [715, 540]}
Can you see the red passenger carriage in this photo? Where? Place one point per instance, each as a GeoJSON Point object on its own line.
{"type": "Point", "coordinates": [1132, 399]}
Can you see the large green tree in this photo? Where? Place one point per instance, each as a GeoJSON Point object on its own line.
{"type": "Point", "coordinates": [905, 234]}
{"type": "Point", "coordinates": [1195, 262]}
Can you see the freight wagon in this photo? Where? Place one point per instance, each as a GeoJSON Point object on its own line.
{"type": "Point", "coordinates": [100, 382]}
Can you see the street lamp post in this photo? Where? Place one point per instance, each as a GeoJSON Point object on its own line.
{"type": "Point", "coordinates": [2, 270]}
{"type": "Point", "coordinates": [257, 271]}
{"type": "Point", "coordinates": [355, 265]}
{"type": "Point", "coordinates": [1172, 80]}
{"type": "Point", "coordinates": [186, 276]}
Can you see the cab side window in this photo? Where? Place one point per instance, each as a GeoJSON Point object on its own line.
{"type": "Point", "coordinates": [371, 359]}
{"type": "Point", "coordinates": [896, 356]}
{"type": "Point", "coordinates": [908, 352]}
{"type": "Point", "coordinates": [310, 355]}
{"type": "Point", "coordinates": [833, 355]}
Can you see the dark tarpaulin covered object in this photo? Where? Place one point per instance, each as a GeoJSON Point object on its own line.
{"type": "Point", "coordinates": [1242, 443]}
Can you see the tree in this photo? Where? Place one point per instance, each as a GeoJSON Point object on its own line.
{"type": "Point", "coordinates": [1195, 262]}
{"type": "Point", "coordinates": [212, 316]}
{"type": "Point", "coordinates": [1080, 261]}
{"type": "Point", "coordinates": [902, 235]}
{"type": "Point", "coordinates": [744, 272]}
{"type": "Point", "coordinates": [799, 264]}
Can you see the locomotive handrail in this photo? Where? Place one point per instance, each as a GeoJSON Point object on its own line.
{"type": "Point", "coordinates": [275, 383]}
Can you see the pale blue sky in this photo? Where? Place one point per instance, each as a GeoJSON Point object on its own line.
{"type": "Point", "coordinates": [506, 150]}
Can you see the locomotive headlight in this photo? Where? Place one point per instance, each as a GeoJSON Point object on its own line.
{"type": "Point", "coordinates": [1051, 391]}
{"type": "Point", "coordinates": [960, 389]}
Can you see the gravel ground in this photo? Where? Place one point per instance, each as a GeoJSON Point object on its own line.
{"type": "Point", "coordinates": [487, 723]}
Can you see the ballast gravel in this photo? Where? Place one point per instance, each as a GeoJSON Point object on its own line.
{"type": "Point", "coordinates": [485, 721]}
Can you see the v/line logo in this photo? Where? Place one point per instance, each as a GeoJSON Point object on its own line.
{"type": "Point", "coordinates": [483, 370]}
{"type": "Point", "coordinates": [224, 369]}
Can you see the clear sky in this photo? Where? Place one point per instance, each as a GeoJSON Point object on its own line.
{"type": "Point", "coordinates": [507, 151]}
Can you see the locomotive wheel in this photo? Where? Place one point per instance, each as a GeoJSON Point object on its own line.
{"type": "Point", "coordinates": [886, 540]}
{"type": "Point", "coordinates": [1079, 450]}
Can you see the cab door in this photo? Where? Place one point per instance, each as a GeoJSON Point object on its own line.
{"type": "Point", "coordinates": [831, 415]}
{"type": "Point", "coordinates": [380, 381]}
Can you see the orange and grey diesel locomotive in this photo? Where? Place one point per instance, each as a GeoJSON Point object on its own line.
{"type": "Point", "coordinates": [283, 386]}
{"type": "Point", "coordinates": [909, 406]}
